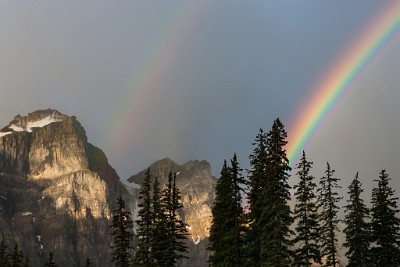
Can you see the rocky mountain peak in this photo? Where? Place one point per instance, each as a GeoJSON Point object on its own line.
{"type": "Point", "coordinates": [196, 184]}
{"type": "Point", "coordinates": [37, 119]}
{"type": "Point", "coordinates": [57, 191]}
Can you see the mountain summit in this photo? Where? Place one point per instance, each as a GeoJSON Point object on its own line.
{"type": "Point", "coordinates": [58, 191]}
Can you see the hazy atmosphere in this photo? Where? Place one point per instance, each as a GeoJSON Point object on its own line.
{"type": "Point", "coordinates": [197, 79]}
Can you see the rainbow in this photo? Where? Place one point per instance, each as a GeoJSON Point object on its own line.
{"type": "Point", "coordinates": [153, 69]}
{"type": "Point", "coordinates": [341, 77]}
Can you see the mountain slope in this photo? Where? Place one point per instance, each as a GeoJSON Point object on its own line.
{"type": "Point", "coordinates": [196, 184]}
{"type": "Point", "coordinates": [57, 190]}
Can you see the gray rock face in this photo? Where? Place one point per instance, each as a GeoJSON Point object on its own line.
{"type": "Point", "coordinates": [196, 184]}
{"type": "Point", "coordinates": [57, 193]}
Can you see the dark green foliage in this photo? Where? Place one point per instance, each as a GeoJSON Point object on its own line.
{"type": "Point", "coordinates": [160, 239]}
{"type": "Point", "coordinates": [175, 228]}
{"type": "Point", "coordinates": [143, 256]}
{"type": "Point", "coordinates": [385, 224]}
{"type": "Point", "coordinates": [306, 215]}
{"type": "Point", "coordinates": [357, 228]}
{"type": "Point", "coordinates": [4, 256]}
{"type": "Point", "coordinates": [275, 218]}
{"type": "Point", "coordinates": [328, 200]}
{"type": "Point", "coordinates": [239, 220]}
{"type": "Point", "coordinates": [256, 183]}
{"type": "Point", "coordinates": [122, 235]}
{"type": "Point", "coordinates": [268, 237]}
{"type": "Point", "coordinates": [16, 257]}
{"type": "Point", "coordinates": [50, 261]}
{"type": "Point", "coordinates": [226, 240]}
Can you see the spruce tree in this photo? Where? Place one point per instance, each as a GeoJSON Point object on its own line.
{"type": "Point", "coordinates": [357, 228]}
{"type": "Point", "coordinates": [238, 183]}
{"type": "Point", "coordinates": [159, 244]}
{"type": "Point", "coordinates": [276, 218]}
{"type": "Point", "coordinates": [306, 216]}
{"type": "Point", "coordinates": [50, 261]}
{"type": "Point", "coordinates": [4, 256]}
{"type": "Point", "coordinates": [122, 226]}
{"type": "Point", "coordinates": [328, 200]}
{"type": "Point", "coordinates": [226, 228]}
{"type": "Point", "coordinates": [220, 240]}
{"type": "Point", "coordinates": [176, 228]}
{"type": "Point", "coordinates": [385, 224]}
{"type": "Point", "coordinates": [257, 180]}
{"type": "Point", "coordinates": [16, 257]}
{"type": "Point", "coordinates": [143, 256]}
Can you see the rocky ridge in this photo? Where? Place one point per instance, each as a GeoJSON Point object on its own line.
{"type": "Point", "coordinates": [196, 184]}
{"type": "Point", "coordinates": [57, 192]}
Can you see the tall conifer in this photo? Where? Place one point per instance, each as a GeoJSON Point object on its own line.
{"type": "Point", "coordinates": [357, 228]}
{"type": "Point", "coordinates": [223, 212]}
{"type": "Point", "coordinates": [159, 246]}
{"type": "Point", "coordinates": [257, 181]}
{"type": "Point", "coordinates": [226, 240]}
{"type": "Point", "coordinates": [385, 224]}
{"type": "Point", "coordinates": [143, 256]}
{"type": "Point", "coordinates": [328, 200]}
{"type": "Point", "coordinates": [238, 182]}
{"type": "Point", "coordinates": [276, 217]}
{"type": "Point", "coordinates": [122, 226]}
{"type": "Point", "coordinates": [175, 227]}
{"type": "Point", "coordinates": [306, 216]}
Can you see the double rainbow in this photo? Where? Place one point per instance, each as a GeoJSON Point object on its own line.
{"type": "Point", "coordinates": [341, 76]}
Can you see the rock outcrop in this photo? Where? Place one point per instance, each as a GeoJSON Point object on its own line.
{"type": "Point", "coordinates": [57, 190]}
{"type": "Point", "coordinates": [196, 184]}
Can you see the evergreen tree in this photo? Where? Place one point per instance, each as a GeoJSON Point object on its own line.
{"type": "Point", "coordinates": [16, 257]}
{"type": "Point", "coordinates": [328, 200]}
{"type": "Point", "coordinates": [176, 228]}
{"type": "Point", "coordinates": [276, 218]}
{"type": "Point", "coordinates": [143, 256]}
{"type": "Point", "coordinates": [50, 261]}
{"type": "Point", "coordinates": [257, 181]}
{"type": "Point", "coordinates": [225, 233]}
{"type": "Point", "coordinates": [306, 215]}
{"type": "Point", "coordinates": [159, 244]}
{"type": "Point", "coordinates": [357, 228]}
{"type": "Point", "coordinates": [122, 225]}
{"type": "Point", "coordinates": [238, 182]}
{"type": "Point", "coordinates": [385, 224]}
{"type": "Point", "coordinates": [4, 256]}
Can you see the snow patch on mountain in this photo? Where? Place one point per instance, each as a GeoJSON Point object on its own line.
{"type": "Point", "coordinates": [35, 124]}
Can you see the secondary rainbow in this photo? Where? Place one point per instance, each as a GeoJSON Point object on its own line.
{"type": "Point", "coordinates": [151, 71]}
{"type": "Point", "coordinates": [341, 77]}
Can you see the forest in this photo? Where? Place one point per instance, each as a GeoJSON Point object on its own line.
{"type": "Point", "coordinates": [253, 223]}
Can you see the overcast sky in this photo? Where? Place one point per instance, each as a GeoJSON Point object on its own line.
{"type": "Point", "coordinates": [197, 79]}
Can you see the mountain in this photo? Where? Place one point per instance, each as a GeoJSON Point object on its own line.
{"type": "Point", "coordinates": [196, 185]}
{"type": "Point", "coordinates": [58, 191]}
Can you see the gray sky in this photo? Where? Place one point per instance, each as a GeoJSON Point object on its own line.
{"type": "Point", "coordinates": [197, 79]}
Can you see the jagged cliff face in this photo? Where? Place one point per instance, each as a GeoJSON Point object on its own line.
{"type": "Point", "coordinates": [196, 183]}
{"type": "Point", "coordinates": [56, 190]}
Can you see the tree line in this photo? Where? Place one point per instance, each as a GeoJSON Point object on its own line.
{"type": "Point", "coordinates": [266, 232]}
{"type": "Point", "coordinates": [160, 231]}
